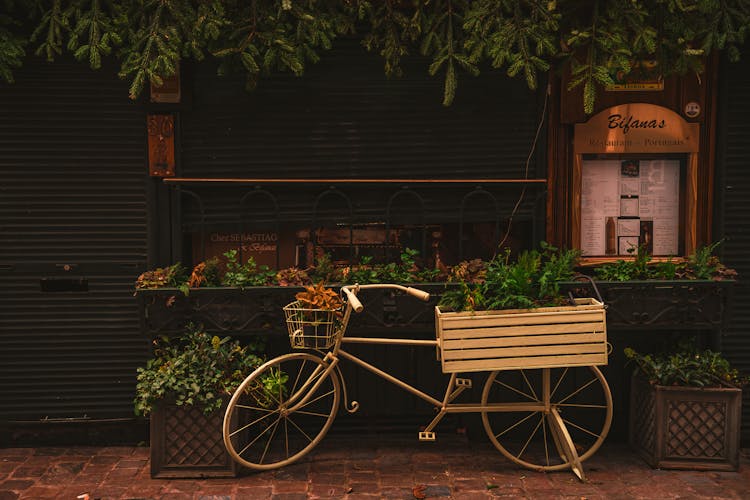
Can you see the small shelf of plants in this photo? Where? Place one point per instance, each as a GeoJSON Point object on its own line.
{"type": "Point", "coordinates": [231, 295]}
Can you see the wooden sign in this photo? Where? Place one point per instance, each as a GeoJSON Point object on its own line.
{"type": "Point", "coordinates": [637, 128]}
{"type": "Point", "coordinates": [161, 145]}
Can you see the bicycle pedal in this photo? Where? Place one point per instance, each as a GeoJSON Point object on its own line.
{"type": "Point", "coordinates": [426, 436]}
{"type": "Point", "coordinates": [463, 382]}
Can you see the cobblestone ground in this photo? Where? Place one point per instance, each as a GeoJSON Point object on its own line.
{"type": "Point", "coordinates": [398, 468]}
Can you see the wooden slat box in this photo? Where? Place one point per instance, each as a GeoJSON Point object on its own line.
{"type": "Point", "coordinates": [522, 338]}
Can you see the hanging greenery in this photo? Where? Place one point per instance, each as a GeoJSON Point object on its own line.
{"type": "Point", "coordinates": [591, 39]}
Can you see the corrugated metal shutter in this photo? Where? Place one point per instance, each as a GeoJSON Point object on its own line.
{"type": "Point", "coordinates": [72, 192]}
{"type": "Point", "coordinates": [733, 217]}
{"type": "Point", "coordinates": [345, 119]}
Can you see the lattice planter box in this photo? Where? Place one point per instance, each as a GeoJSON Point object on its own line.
{"type": "Point", "coordinates": [685, 427]}
{"type": "Point", "coordinates": [186, 443]}
{"type": "Point", "coordinates": [545, 337]}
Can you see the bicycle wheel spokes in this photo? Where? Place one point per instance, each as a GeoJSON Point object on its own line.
{"type": "Point", "coordinates": [281, 411]}
{"type": "Point", "coordinates": [579, 394]}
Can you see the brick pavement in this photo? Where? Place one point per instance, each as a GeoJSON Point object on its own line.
{"type": "Point", "coordinates": [371, 467]}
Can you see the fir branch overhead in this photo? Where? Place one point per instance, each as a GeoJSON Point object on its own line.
{"type": "Point", "coordinates": [593, 40]}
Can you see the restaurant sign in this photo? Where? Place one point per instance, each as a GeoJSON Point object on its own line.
{"type": "Point", "coordinates": [636, 128]}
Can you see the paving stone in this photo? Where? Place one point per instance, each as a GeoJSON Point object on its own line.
{"type": "Point", "coordinates": [50, 452]}
{"type": "Point", "coordinates": [437, 491]}
{"type": "Point", "coordinates": [385, 469]}
{"type": "Point", "coordinates": [290, 487]}
{"type": "Point", "coordinates": [7, 468]}
{"type": "Point", "coordinates": [253, 492]}
{"type": "Point", "coordinates": [365, 488]}
{"type": "Point", "coordinates": [23, 471]}
{"type": "Point", "coordinates": [40, 492]}
{"type": "Point", "coordinates": [462, 485]}
{"type": "Point", "coordinates": [289, 496]}
{"type": "Point", "coordinates": [327, 491]}
{"type": "Point", "coordinates": [331, 479]}
{"type": "Point", "coordinates": [16, 484]}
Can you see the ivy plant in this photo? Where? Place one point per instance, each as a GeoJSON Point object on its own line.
{"type": "Point", "coordinates": [196, 369]}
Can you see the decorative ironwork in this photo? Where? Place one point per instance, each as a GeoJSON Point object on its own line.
{"type": "Point", "coordinates": [632, 305]}
{"type": "Point", "coordinates": [259, 310]}
{"type": "Point", "coordinates": [692, 305]}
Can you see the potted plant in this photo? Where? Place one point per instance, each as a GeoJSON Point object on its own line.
{"type": "Point", "coordinates": [315, 317]}
{"type": "Point", "coordinates": [685, 409]}
{"type": "Point", "coordinates": [184, 387]}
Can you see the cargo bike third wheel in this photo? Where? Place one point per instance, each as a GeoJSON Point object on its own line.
{"type": "Point", "coordinates": [537, 415]}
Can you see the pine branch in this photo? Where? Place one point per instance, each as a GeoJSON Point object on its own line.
{"type": "Point", "coordinates": [53, 26]}
{"type": "Point", "coordinates": [93, 33]}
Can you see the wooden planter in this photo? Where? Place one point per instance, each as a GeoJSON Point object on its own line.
{"type": "Point", "coordinates": [685, 427]}
{"type": "Point", "coordinates": [186, 443]}
{"type": "Point", "coordinates": [522, 338]}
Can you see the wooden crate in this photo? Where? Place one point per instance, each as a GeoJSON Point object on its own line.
{"type": "Point", "coordinates": [522, 338]}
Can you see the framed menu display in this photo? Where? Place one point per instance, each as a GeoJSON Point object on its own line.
{"type": "Point", "coordinates": [627, 203]}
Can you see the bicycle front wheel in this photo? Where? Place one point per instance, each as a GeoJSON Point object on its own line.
{"type": "Point", "coordinates": [525, 432]}
{"type": "Point", "coordinates": [281, 411]}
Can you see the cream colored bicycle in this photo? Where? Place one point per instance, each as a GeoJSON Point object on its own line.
{"type": "Point", "coordinates": [541, 418]}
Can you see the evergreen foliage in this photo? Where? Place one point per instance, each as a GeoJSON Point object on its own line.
{"type": "Point", "coordinates": [592, 39]}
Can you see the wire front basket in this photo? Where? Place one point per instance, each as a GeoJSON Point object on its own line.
{"type": "Point", "coordinates": [313, 328]}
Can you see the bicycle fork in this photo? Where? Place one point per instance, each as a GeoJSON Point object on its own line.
{"type": "Point", "coordinates": [302, 396]}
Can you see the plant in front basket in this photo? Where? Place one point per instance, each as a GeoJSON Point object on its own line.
{"type": "Point", "coordinates": [315, 316]}
{"type": "Point", "coordinates": [318, 297]}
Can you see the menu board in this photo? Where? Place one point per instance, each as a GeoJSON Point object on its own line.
{"type": "Point", "coordinates": [628, 203]}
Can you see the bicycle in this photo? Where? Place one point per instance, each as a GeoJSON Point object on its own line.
{"type": "Point", "coordinates": [540, 418]}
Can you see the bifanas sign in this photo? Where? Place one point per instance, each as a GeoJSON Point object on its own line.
{"type": "Point", "coordinates": [636, 128]}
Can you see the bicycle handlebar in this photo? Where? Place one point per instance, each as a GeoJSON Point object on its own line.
{"type": "Point", "coordinates": [353, 300]}
{"type": "Point", "coordinates": [421, 295]}
{"type": "Point", "coordinates": [352, 290]}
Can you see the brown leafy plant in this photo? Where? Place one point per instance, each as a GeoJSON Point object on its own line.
{"type": "Point", "coordinates": [320, 297]}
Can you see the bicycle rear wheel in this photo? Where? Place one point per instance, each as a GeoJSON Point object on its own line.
{"type": "Point", "coordinates": [522, 430]}
{"type": "Point", "coordinates": [281, 411]}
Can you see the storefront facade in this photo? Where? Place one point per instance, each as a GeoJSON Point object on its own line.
{"type": "Point", "coordinates": [341, 161]}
